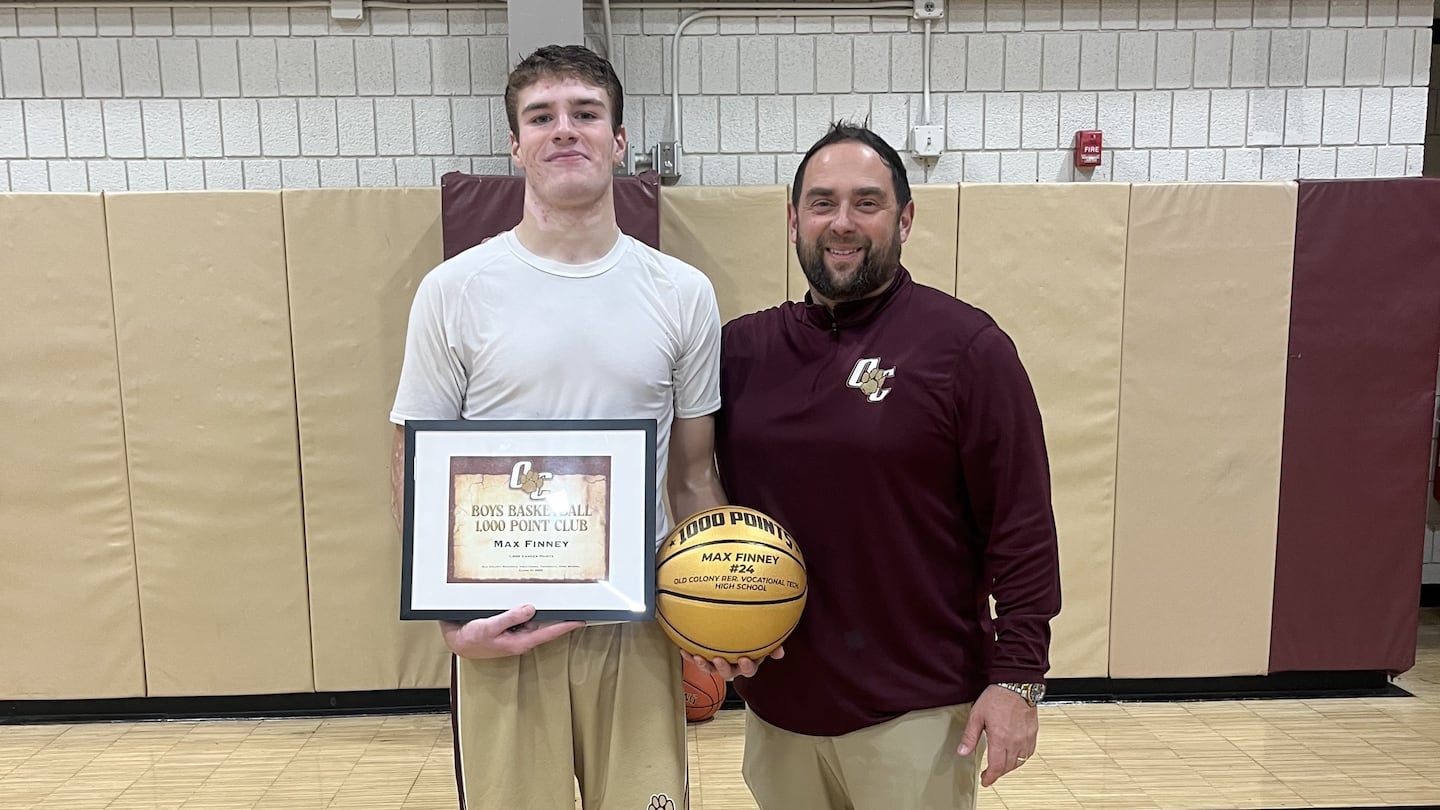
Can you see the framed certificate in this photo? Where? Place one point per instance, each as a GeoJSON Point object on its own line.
{"type": "Point", "coordinates": [556, 514]}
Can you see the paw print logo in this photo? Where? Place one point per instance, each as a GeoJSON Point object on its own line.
{"type": "Point", "coordinates": [524, 478]}
{"type": "Point", "coordinates": [660, 802]}
{"type": "Point", "coordinates": [530, 482]}
{"type": "Point", "coordinates": [871, 381]}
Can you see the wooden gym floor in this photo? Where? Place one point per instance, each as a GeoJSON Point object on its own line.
{"type": "Point", "coordinates": [1112, 756]}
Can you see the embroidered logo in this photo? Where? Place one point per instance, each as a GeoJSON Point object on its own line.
{"type": "Point", "coordinates": [660, 802]}
{"type": "Point", "coordinates": [524, 478]}
{"type": "Point", "coordinates": [870, 378]}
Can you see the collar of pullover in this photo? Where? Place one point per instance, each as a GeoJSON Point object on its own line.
{"type": "Point", "coordinates": [849, 314]}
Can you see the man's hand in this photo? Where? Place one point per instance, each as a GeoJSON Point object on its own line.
{"type": "Point", "coordinates": [1010, 726]}
{"type": "Point", "coordinates": [744, 668]}
{"type": "Point", "coordinates": [506, 634]}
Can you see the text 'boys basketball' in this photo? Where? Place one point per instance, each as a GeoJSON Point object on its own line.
{"type": "Point", "coordinates": [730, 583]}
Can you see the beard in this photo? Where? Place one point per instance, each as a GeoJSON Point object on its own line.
{"type": "Point", "coordinates": [880, 263]}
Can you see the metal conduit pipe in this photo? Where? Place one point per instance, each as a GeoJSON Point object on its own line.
{"type": "Point", "coordinates": [891, 9]}
{"type": "Point", "coordinates": [609, 39]}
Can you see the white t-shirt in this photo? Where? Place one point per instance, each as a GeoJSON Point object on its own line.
{"type": "Point", "coordinates": [497, 332]}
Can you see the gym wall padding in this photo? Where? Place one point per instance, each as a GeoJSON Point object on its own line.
{"type": "Point", "coordinates": [69, 611]}
{"type": "Point", "coordinates": [207, 382]}
{"type": "Point", "coordinates": [1364, 337]}
{"type": "Point", "coordinates": [735, 235]}
{"type": "Point", "coordinates": [1202, 401]}
{"type": "Point", "coordinates": [254, 340]}
{"type": "Point", "coordinates": [1049, 265]}
{"type": "Point", "coordinates": [476, 207]}
{"type": "Point", "coordinates": [795, 285]}
{"type": "Point", "coordinates": [354, 259]}
{"type": "Point", "coordinates": [928, 254]}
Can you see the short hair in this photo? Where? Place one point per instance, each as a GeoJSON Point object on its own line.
{"type": "Point", "coordinates": [566, 62]}
{"type": "Point", "coordinates": [843, 132]}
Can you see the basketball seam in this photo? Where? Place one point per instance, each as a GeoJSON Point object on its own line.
{"type": "Point", "coordinates": [709, 600]}
{"type": "Point", "coordinates": [699, 691]}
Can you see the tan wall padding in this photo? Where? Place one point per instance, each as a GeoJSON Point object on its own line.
{"type": "Point", "coordinates": [355, 257]}
{"type": "Point", "coordinates": [1048, 263]}
{"type": "Point", "coordinates": [735, 235]}
{"type": "Point", "coordinates": [69, 611]}
{"type": "Point", "coordinates": [929, 253]}
{"type": "Point", "coordinates": [1207, 303]}
{"type": "Point", "coordinates": [208, 389]}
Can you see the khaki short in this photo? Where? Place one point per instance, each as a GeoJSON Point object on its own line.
{"type": "Point", "coordinates": [603, 704]}
{"type": "Point", "coordinates": [907, 762]}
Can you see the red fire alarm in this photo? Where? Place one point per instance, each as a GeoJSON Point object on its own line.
{"type": "Point", "coordinates": [1089, 144]}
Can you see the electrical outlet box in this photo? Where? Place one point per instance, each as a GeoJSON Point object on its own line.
{"type": "Point", "coordinates": [927, 140]}
{"type": "Point", "coordinates": [667, 160]}
{"type": "Point", "coordinates": [929, 9]}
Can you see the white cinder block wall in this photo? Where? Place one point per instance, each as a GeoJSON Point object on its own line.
{"type": "Point", "coordinates": [114, 98]}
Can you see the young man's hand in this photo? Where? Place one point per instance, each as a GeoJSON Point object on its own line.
{"type": "Point", "coordinates": [503, 635]}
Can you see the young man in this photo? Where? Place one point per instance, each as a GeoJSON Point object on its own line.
{"type": "Point", "coordinates": [892, 429]}
{"type": "Point", "coordinates": [565, 317]}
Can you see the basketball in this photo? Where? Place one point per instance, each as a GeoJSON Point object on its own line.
{"type": "Point", "coordinates": [730, 583]}
{"type": "Point", "coordinates": [704, 692]}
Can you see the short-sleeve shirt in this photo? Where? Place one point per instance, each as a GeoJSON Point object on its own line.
{"type": "Point", "coordinates": [498, 332]}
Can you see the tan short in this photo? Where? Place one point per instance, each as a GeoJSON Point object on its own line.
{"type": "Point", "coordinates": [908, 762]}
{"type": "Point", "coordinates": [603, 704]}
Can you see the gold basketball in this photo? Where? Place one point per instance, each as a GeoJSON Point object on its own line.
{"type": "Point", "coordinates": [730, 583]}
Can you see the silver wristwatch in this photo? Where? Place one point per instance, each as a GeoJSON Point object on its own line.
{"type": "Point", "coordinates": [1032, 692]}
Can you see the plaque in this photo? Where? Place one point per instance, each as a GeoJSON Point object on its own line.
{"type": "Point", "coordinates": [559, 514]}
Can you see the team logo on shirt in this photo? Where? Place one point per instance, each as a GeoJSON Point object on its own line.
{"type": "Point", "coordinates": [870, 378]}
{"type": "Point", "coordinates": [524, 478]}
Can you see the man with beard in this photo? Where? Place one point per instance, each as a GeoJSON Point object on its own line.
{"type": "Point", "coordinates": [893, 430]}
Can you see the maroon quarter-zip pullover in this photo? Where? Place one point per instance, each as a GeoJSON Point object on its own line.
{"type": "Point", "coordinates": [899, 441]}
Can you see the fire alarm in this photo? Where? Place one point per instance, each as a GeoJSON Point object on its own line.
{"type": "Point", "coordinates": [1089, 145]}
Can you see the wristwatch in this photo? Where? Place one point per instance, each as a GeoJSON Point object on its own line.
{"type": "Point", "coordinates": [1032, 692]}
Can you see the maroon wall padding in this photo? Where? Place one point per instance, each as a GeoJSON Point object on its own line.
{"type": "Point", "coordinates": [475, 207]}
{"type": "Point", "coordinates": [1359, 400]}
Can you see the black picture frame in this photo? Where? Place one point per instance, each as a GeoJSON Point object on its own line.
{"type": "Point", "coordinates": [489, 568]}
